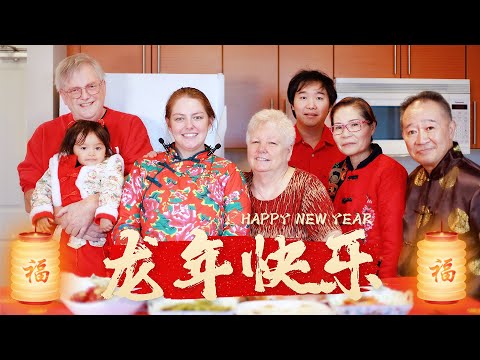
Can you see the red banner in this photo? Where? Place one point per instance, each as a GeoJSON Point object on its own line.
{"type": "Point", "coordinates": [210, 267]}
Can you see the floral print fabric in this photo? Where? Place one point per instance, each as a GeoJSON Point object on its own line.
{"type": "Point", "coordinates": [167, 197]}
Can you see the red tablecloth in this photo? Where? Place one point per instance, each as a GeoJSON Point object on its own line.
{"type": "Point", "coordinates": [466, 306]}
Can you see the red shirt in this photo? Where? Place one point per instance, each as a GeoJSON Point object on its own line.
{"type": "Point", "coordinates": [318, 161]}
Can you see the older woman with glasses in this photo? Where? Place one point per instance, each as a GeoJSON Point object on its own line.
{"type": "Point", "coordinates": [285, 200]}
{"type": "Point", "coordinates": [367, 187]}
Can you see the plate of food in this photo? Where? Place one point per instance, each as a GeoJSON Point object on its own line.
{"type": "Point", "coordinates": [381, 301]}
{"type": "Point", "coordinates": [283, 307]}
{"type": "Point", "coordinates": [83, 296]}
{"type": "Point", "coordinates": [218, 306]}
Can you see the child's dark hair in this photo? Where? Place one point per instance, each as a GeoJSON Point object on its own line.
{"type": "Point", "coordinates": [83, 128]}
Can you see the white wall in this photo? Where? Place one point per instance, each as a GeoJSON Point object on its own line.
{"type": "Point", "coordinates": [27, 98]}
{"type": "Point", "coordinates": [41, 96]}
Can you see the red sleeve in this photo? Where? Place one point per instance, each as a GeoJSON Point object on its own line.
{"type": "Point", "coordinates": [42, 215]}
{"type": "Point", "coordinates": [44, 143]}
{"type": "Point", "coordinates": [33, 166]}
{"type": "Point", "coordinates": [391, 205]}
{"type": "Point", "coordinates": [237, 203]}
{"type": "Point", "coordinates": [138, 144]}
{"type": "Point", "coordinates": [113, 219]}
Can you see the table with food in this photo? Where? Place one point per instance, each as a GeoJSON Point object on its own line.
{"type": "Point", "coordinates": [83, 296]}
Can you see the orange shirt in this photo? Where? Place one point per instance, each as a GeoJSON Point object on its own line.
{"type": "Point", "coordinates": [318, 161]}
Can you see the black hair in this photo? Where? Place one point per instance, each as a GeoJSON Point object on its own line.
{"type": "Point", "coordinates": [304, 77]}
{"type": "Point", "coordinates": [83, 128]}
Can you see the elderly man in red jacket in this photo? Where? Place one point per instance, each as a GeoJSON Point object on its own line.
{"type": "Point", "coordinates": [80, 80]}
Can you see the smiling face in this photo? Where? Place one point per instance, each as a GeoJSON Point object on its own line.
{"type": "Point", "coordinates": [87, 107]}
{"type": "Point", "coordinates": [189, 124]}
{"type": "Point", "coordinates": [311, 105]}
{"type": "Point", "coordinates": [267, 149]}
{"type": "Point", "coordinates": [355, 144]}
{"type": "Point", "coordinates": [428, 133]}
{"type": "Point", "coordinates": [92, 151]}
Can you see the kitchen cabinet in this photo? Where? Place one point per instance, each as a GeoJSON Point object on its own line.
{"type": "Point", "coordinates": [473, 73]}
{"type": "Point", "coordinates": [366, 61]}
{"type": "Point", "coordinates": [251, 84]}
{"type": "Point", "coordinates": [187, 59]}
{"type": "Point", "coordinates": [433, 61]}
{"type": "Point", "coordinates": [173, 59]}
{"type": "Point", "coordinates": [257, 76]}
{"type": "Point", "coordinates": [118, 58]}
{"type": "Point", "coordinates": [400, 61]}
{"type": "Point", "coordinates": [292, 58]}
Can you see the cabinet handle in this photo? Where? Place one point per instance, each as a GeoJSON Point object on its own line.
{"type": "Point", "coordinates": [271, 103]}
{"type": "Point", "coordinates": [474, 123]}
{"type": "Point", "coordinates": [143, 59]}
{"type": "Point", "coordinates": [394, 59]}
{"type": "Point", "coordinates": [158, 59]}
{"type": "Point", "coordinates": [408, 59]}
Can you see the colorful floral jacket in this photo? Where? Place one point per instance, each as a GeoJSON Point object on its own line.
{"type": "Point", "coordinates": [166, 197]}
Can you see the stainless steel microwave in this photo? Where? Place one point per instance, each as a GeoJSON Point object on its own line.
{"type": "Point", "coordinates": [385, 95]}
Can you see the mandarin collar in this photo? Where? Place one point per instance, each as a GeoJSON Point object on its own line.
{"type": "Point", "coordinates": [376, 150]}
{"type": "Point", "coordinates": [453, 156]}
{"type": "Point", "coordinates": [173, 155]}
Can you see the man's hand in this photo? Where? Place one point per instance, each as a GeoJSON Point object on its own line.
{"type": "Point", "coordinates": [27, 197]}
{"type": "Point", "coordinates": [151, 154]}
{"type": "Point", "coordinates": [77, 217]}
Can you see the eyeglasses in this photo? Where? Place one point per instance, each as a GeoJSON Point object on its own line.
{"type": "Point", "coordinates": [352, 126]}
{"type": "Point", "coordinates": [91, 89]}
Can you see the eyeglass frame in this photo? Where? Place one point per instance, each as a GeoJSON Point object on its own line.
{"type": "Point", "coordinates": [70, 91]}
{"type": "Point", "coordinates": [346, 126]}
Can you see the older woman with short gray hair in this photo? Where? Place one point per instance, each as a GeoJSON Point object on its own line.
{"type": "Point", "coordinates": [285, 200]}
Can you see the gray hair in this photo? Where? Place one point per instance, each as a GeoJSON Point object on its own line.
{"type": "Point", "coordinates": [282, 123]}
{"type": "Point", "coordinates": [68, 66]}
